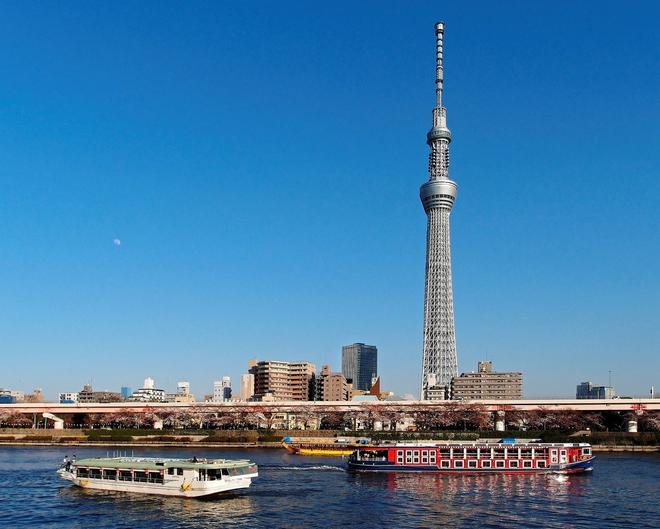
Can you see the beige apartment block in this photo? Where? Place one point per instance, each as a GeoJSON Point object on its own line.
{"type": "Point", "coordinates": [487, 384]}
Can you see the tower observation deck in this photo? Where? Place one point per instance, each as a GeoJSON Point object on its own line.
{"type": "Point", "coordinates": [438, 195]}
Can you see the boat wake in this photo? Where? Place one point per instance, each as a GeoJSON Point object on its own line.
{"type": "Point", "coordinates": [330, 468]}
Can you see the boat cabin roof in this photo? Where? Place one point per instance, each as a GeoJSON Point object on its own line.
{"type": "Point", "coordinates": [158, 463]}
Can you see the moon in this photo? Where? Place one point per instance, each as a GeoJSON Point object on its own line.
{"type": "Point", "coordinates": [116, 242]}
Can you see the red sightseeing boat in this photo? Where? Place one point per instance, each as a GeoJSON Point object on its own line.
{"type": "Point", "coordinates": [475, 457]}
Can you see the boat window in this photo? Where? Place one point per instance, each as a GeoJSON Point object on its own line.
{"type": "Point", "coordinates": [95, 473]}
{"type": "Point", "coordinates": [140, 475]}
{"type": "Point", "coordinates": [513, 464]}
{"type": "Point", "coordinates": [586, 451]}
{"type": "Point", "coordinates": [83, 472]}
{"type": "Point", "coordinates": [445, 453]}
{"type": "Point", "coordinates": [485, 464]}
{"type": "Point", "coordinates": [179, 472]}
{"type": "Point", "coordinates": [563, 452]}
{"type": "Point", "coordinates": [526, 453]}
{"type": "Point", "coordinates": [399, 456]}
{"type": "Point", "coordinates": [409, 456]}
{"type": "Point", "coordinates": [471, 453]}
{"type": "Point", "coordinates": [425, 456]}
{"type": "Point", "coordinates": [170, 471]}
{"type": "Point", "coordinates": [458, 464]}
{"type": "Point", "coordinates": [472, 463]}
{"type": "Point", "coordinates": [155, 477]}
{"type": "Point", "coordinates": [527, 463]}
{"type": "Point", "coordinates": [444, 463]}
{"type": "Point", "coordinates": [416, 456]}
{"type": "Point", "coordinates": [499, 463]}
{"type": "Point", "coordinates": [225, 472]}
{"type": "Point", "coordinates": [540, 464]}
{"type": "Point", "coordinates": [110, 474]}
{"type": "Point", "coordinates": [125, 475]}
{"type": "Point", "coordinates": [499, 453]}
{"type": "Point", "coordinates": [432, 456]}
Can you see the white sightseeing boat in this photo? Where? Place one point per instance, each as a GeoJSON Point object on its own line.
{"type": "Point", "coordinates": [190, 478]}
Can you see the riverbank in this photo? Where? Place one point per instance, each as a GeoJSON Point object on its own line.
{"type": "Point", "coordinates": [143, 444]}
{"type": "Point", "coordinates": [258, 444]}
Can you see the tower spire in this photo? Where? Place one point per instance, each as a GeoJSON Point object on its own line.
{"type": "Point", "coordinates": [439, 34]}
{"type": "Point", "coordinates": [439, 362]}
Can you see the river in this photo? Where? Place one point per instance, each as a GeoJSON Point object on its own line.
{"type": "Point", "coordinates": [304, 492]}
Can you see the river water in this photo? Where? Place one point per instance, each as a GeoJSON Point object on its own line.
{"type": "Point", "coordinates": [303, 492]}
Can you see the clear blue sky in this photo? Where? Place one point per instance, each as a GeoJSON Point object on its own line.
{"type": "Point", "coordinates": [260, 163]}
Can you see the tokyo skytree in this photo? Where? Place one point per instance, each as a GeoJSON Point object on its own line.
{"type": "Point", "coordinates": [438, 195]}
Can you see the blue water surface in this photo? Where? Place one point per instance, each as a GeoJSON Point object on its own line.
{"type": "Point", "coordinates": [302, 492]}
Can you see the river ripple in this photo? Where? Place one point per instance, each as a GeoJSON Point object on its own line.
{"type": "Point", "coordinates": [302, 492]}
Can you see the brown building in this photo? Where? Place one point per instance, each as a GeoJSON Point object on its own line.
{"type": "Point", "coordinates": [331, 386]}
{"type": "Point", "coordinates": [35, 396]}
{"type": "Point", "coordinates": [486, 384]}
{"type": "Point", "coordinates": [89, 395]}
{"type": "Point", "coordinates": [283, 380]}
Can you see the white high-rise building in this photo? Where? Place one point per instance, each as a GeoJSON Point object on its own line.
{"type": "Point", "coordinates": [183, 388]}
{"type": "Point", "coordinates": [222, 390]}
{"type": "Point", "coordinates": [148, 393]}
{"type": "Point", "coordinates": [217, 391]}
{"type": "Point", "coordinates": [439, 363]}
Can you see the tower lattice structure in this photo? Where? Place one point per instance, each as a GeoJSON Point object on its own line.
{"type": "Point", "coordinates": [438, 196]}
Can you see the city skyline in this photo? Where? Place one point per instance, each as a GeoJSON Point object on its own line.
{"type": "Point", "coordinates": [145, 225]}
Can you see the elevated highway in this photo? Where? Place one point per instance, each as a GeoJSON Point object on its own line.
{"type": "Point", "coordinates": [587, 405]}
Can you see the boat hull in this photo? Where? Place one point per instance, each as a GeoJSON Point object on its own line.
{"type": "Point", "coordinates": [195, 489]}
{"type": "Point", "coordinates": [320, 450]}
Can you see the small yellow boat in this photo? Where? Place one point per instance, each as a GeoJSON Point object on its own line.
{"type": "Point", "coordinates": [311, 448]}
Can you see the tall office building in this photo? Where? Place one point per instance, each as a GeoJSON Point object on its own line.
{"type": "Point", "coordinates": [587, 390]}
{"type": "Point", "coordinates": [359, 364]}
{"type": "Point", "coordinates": [226, 388]}
{"type": "Point", "coordinates": [438, 195]}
